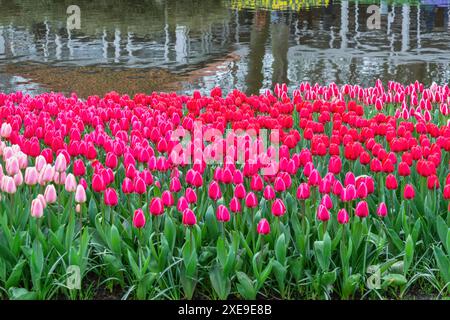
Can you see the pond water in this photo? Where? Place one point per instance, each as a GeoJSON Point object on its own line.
{"type": "Point", "coordinates": [249, 44]}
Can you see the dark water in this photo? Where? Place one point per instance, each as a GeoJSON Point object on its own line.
{"type": "Point", "coordinates": [249, 45]}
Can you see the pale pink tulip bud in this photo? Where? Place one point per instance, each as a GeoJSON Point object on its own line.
{"type": "Point", "coordinates": [60, 163]}
{"type": "Point", "coordinates": [41, 198]}
{"type": "Point", "coordinates": [37, 210]}
{"type": "Point", "coordinates": [18, 178]}
{"type": "Point", "coordinates": [59, 178]}
{"type": "Point", "coordinates": [1, 171]}
{"type": "Point", "coordinates": [78, 208]}
{"type": "Point", "coordinates": [70, 184]}
{"type": "Point", "coordinates": [12, 166]}
{"type": "Point", "coordinates": [8, 152]}
{"type": "Point", "coordinates": [50, 194]}
{"type": "Point", "coordinates": [5, 130]}
{"type": "Point", "coordinates": [40, 162]}
{"type": "Point", "coordinates": [80, 194]}
{"type": "Point", "coordinates": [23, 160]}
{"type": "Point", "coordinates": [31, 176]}
{"type": "Point", "coordinates": [8, 185]}
{"type": "Point", "coordinates": [47, 173]}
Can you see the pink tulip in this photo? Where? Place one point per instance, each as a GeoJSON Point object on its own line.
{"type": "Point", "coordinates": [37, 210]}
{"type": "Point", "coordinates": [60, 163]}
{"type": "Point", "coordinates": [250, 200]}
{"type": "Point", "coordinates": [263, 227]}
{"type": "Point", "coordinates": [80, 194]}
{"type": "Point", "coordinates": [222, 213]}
{"type": "Point", "coordinates": [138, 219]}
{"type": "Point", "coordinates": [189, 218]}
{"type": "Point", "coordinates": [50, 194]}
{"type": "Point", "coordinates": [70, 184]}
{"type": "Point", "coordinates": [235, 205]}
{"type": "Point", "coordinates": [31, 176]}
{"type": "Point", "coordinates": [342, 216]}
{"type": "Point", "coordinates": [156, 206]}
{"type": "Point", "coordinates": [382, 210]}
{"type": "Point", "coordinates": [322, 213]}
{"type": "Point", "coordinates": [362, 209]}
{"type": "Point", "coordinates": [278, 208]}
{"type": "Point", "coordinates": [8, 185]}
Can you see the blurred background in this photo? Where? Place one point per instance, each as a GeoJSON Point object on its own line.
{"type": "Point", "coordinates": [185, 45]}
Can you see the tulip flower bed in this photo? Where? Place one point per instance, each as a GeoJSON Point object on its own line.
{"type": "Point", "coordinates": [355, 205]}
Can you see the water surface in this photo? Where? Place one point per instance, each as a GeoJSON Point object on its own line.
{"type": "Point", "coordinates": [133, 46]}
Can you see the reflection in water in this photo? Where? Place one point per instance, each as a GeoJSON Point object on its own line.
{"type": "Point", "coordinates": [232, 43]}
{"type": "Point", "coordinates": [258, 39]}
{"type": "Point", "coordinates": [280, 47]}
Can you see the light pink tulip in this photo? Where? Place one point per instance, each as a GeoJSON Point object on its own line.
{"type": "Point", "coordinates": [50, 194]}
{"type": "Point", "coordinates": [70, 184]}
{"type": "Point", "coordinates": [60, 163]}
{"type": "Point", "coordinates": [31, 176]}
{"type": "Point", "coordinates": [80, 194]}
{"type": "Point", "coordinates": [37, 210]}
{"type": "Point", "coordinates": [8, 185]}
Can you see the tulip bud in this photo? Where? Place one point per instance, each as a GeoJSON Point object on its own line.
{"type": "Point", "coordinates": [156, 206]}
{"type": "Point", "coordinates": [342, 216]}
{"type": "Point", "coordinates": [362, 209]}
{"type": "Point", "coordinates": [80, 194]}
{"type": "Point", "coordinates": [263, 227]}
{"type": "Point", "coordinates": [189, 218]}
{"type": "Point", "coordinates": [322, 213]}
{"type": "Point", "coordinates": [138, 219]}
{"type": "Point", "coordinates": [222, 213]}
{"type": "Point", "coordinates": [70, 184]}
{"type": "Point", "coordinates": [409, 192]}
{"type": "Point", "coordinates": [382, 210]}
{"type": "Point", "coordinates": [110, 197]}
{"type": "Point", "coordinates": [235, 205]}
{"type": "Point", "coordinates": [278, 208]}
{"type": "Point", "coordinates": [50, 194]}
{"type": "Point", "coordinates": [60, 163]}
{"type": "Point", "coordinates": [37, 210]}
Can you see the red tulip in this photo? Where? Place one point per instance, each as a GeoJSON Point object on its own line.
{"type": "Point", "coordinates": [239, 191]}
{"type": "Point", "coordinates": [98, 185]}
{"type": "Point", "coordinates": [156, 206]}
{"type": "Point", "coordinates": [362, 209]}
{"type": "Point", "coordinates": [235, 205]}
{"type": "Point", "coordinates": [189, 218]}
{"type": "Point", "coordinates": [191, 195]}
{"type": "Point", "coordinates": [127, 186]}
{"type": "Point", "coordinates": [167, 198]}
{"type": "Point", "coordinates": [269, 193]}
{"type": "Point", "coordinates": [78, 168]}
{"type": "Point", "coordinates": [409, 192]}
{"type": "Point", "coordinates": [138, 219]}
{"type": "Point", "coordinates": [391, 182]}
{"type": "Point", "coordinates": [447, 192]}
{"type": "Point", "coordinates": [303, 192]}
{"type": "Point", "coordinates": [182, 204]}
{"type": "Point", "coordinates": [256, 184]}
{"type": "Point", "coordinates": [110, 197]}
{"type": "Point", "coordinates": [175, 185]}
{"type": "Point", "coordinates": [250, 200]}
{"type": "Point", "coordinates": [214, 191]}
{"type": "Point", "coordinates": [222, 213]}
{"type": "Point", "coordinates": [326, 201]}
{"type": "Point", "coordinates": [139, 186]}
{"type": "Point", "coordinates": [382, 210]}
{"type": "Point", "coordinates": [322, 213]}
{"type": "Point", "coordinates": [278, 208]}
{"type": "Point", "coordinates": [263, 227]}
{"type": "Point", "coordinates": [342, 216]}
